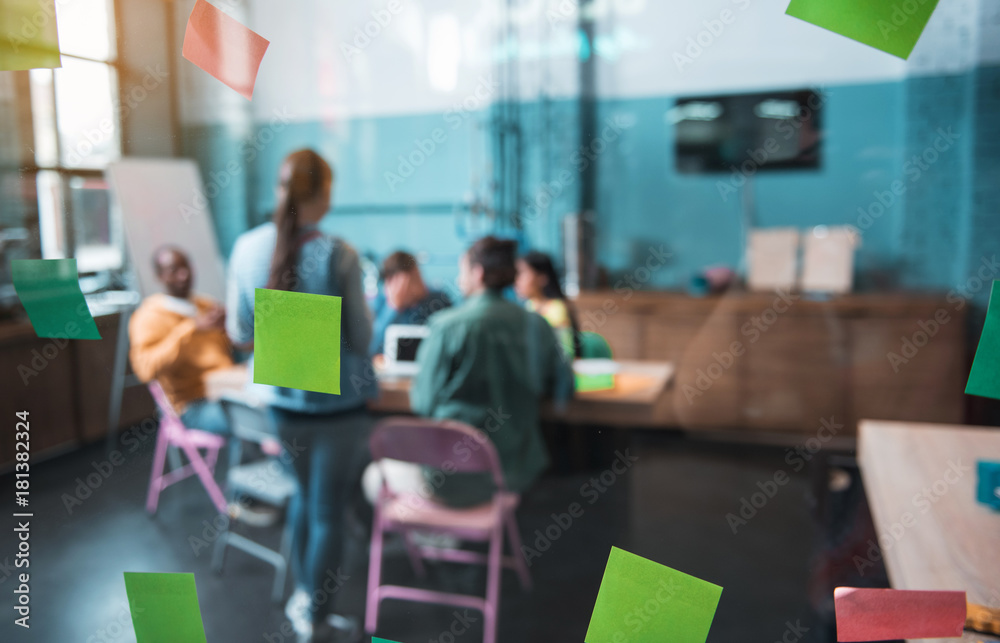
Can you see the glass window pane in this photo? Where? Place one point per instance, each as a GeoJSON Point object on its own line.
{"type": "Point", "coordinates": [88, 124]}
{"type": "Point", "coordinates": [96, 239]}
{"type": "Point", "coordinates": [43, 118]}
{"type": "Point", "coordinates": [51, 215]}
{"type": "Point", "coordinates": [86, 29]}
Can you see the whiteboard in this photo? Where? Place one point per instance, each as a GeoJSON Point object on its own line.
{"type": "Point", "coordinates": [161, 202]}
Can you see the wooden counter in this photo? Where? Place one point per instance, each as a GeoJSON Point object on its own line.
{"type": "Point", "coordinates": [65, 390]}
{"type": "Point", "coordinates": [799, 360]}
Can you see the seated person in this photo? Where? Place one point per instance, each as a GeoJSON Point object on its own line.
{"type": "Point", "coordinates": [407, 299]}
{"type": "Point", "coordinates": [488, 363]}
{"type": "Point", "coordinates": [176, 338]}
{"type": "Point", "coordinates": [538, 284]}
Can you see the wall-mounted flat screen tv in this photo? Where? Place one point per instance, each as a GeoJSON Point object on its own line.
{"type": "Point", "coordinates": [764, 131]}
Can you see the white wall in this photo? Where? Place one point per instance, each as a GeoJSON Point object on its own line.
{"type": "Point", "coordinates": [430, 55]}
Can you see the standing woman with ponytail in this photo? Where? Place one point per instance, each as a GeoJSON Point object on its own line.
{"type": "Point", "coordinates": [327, 432]}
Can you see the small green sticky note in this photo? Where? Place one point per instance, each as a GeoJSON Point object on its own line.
{"type": "Point", "coordinates": [296, 340]}
{"type": "Point", "coordinates": [50, 291]}
{"type": "Point", "coordinates": [164, 608]}
{"type": "Point", "coordinates": [893, 27]}
{"type": "Point", "coordinates": [28, 35]}
{"type": "Point", "coordinates": [587, 382]}
{"type": "Point", "coordinates": [984, 378]}
{"type": "Point", "coordinates": [641, 601]}
{"type": "Point", "coordinates": [376, 639]}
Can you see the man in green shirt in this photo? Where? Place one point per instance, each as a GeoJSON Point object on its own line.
{"type": "Point", "coordinates": [490, 363]}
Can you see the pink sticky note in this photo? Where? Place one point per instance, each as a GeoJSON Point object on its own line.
{"type": "Point", "coordinates": [887, 614]}
{"type": "Point", "coordinates": [224, 48]}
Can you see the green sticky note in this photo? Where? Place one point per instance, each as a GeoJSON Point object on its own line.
{"type": "Point", "coordinates": [984, 378]}
{"type": "Point", "coordinates": [296, 340]}
{"type": "Point", "coordinates": [164, 608]}
{"type": "Point", "coordinates": [641, 601]}
{"type": "Point", "coordinates": [586, 382]}
{"type": "Point", "coordinates": [50, 291]}
{"type": "Point", "coordinates": [376, 639]}
{"type": "Point", "coordinates": [28, 35]}
{"type": "Point", "coordinates": [893, 27]}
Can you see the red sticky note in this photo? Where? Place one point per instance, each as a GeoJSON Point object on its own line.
{"type": "Point", "coordinates": [887, 614]}
{"type": "Point", "coordinates": [224, 48]}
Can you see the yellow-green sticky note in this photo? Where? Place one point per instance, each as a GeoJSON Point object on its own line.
{"type": "Point", "coordinates": [50, 291]}
{"type": "Point", "coordinates": [164, 608]}
{"type": "Point", "coordinates": [984, 378]}
{"type": "Point", "coordinates": [296, 340]}
{"type": "Point", "coordinates": [641, 601]}
{"type": "Point", "coordinates": [893, 27]}
{"type": "Point", "coordinates": [28, 35]}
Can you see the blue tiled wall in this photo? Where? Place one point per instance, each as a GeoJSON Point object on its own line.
{"type": "Point", "coordinates": [928, 238]}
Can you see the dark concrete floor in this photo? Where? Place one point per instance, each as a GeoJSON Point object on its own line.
{"type": "Point", "coordinates": [670, 506]}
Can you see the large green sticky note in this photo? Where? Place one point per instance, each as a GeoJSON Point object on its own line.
{"type": "Point", "coordinates": [50, 291]}
{"type": "Point", "coordinates": [641, 601]}
{"type": "Point", "coordinates": [164, 608]}
{"type": "Point", "coordinates": [893, 27]}
{"type": "Point", "coordinates": [28, 35]}
{"type": "Point", "coordinates": [984, 378]}
{"type": "Point", "coordinates": [296, 340]}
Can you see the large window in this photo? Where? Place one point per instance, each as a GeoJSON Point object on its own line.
{"type": "Point", "coordinates": [76, 132]}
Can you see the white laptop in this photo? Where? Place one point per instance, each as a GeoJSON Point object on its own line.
{"type": "Point", "coordinates": [401, 344]}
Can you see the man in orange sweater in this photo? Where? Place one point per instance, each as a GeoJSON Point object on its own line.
{"type": "Point", "coordinates": [177, 338]}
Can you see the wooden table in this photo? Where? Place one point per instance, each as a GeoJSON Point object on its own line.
{"type": "Point", "coordinates": [920, 480]}
{"type": "Point", "coordinates": [640, 389]}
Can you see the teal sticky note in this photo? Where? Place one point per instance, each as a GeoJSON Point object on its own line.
{"type": "Point", "coordinates": [164, 608]}
{"type": "Point", "coordinates": [29, 38]}
{"type": "Point", "coordinates": [376, 639]}
{"type": "Point", "coordinates": [641, 601]}
{"type": "Point", "coordinates": [893, 27]}
{"type": "Point", "coordinates": [296, 340]}
{"type": "Point", "coordinates": [50, 291]}
{"type": "Point", "coordinates": [984, 377]}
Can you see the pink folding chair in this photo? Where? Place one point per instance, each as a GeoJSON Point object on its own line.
{"type": "Point", "coordinates": [172, 432]}
{"type": "Point", "coordinates": [431, 442]}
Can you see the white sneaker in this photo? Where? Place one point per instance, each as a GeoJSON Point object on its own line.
{"type": "Point", "coordinates": [297, 611]}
